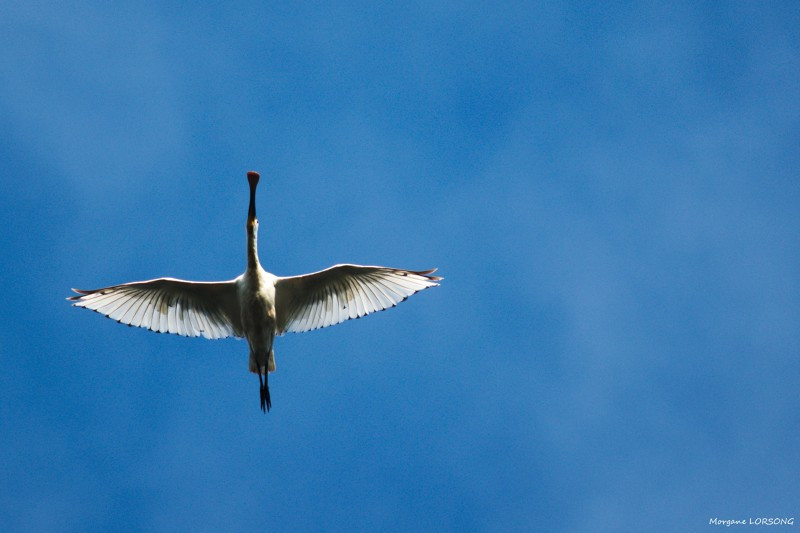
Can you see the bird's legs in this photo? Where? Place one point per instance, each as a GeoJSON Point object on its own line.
{"type": "Point", "coordinates": [266, 404]}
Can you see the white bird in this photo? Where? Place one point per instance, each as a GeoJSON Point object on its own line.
{"type": "Point", "coordinates": [256, 305]}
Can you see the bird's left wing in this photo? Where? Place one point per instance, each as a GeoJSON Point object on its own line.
{"type": "Point", "coordinates": [341, 292]}
{"type": "Point", "coordinates": [167, 305]}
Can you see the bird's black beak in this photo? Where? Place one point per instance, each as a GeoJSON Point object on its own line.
{"type": "Point", "coordinates": [252, 178]}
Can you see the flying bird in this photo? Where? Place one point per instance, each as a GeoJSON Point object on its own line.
{"type": "Point", "coordinates": [256, 305]}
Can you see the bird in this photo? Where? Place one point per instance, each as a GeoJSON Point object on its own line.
{"type": "Point", "coordinates": [256, 305]}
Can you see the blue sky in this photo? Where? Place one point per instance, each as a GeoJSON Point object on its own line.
{"type": "Point", "coordinates": [611, 193]}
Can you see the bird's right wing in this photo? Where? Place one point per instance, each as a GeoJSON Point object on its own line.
{"type": "Point", "coordinates": [341, 292]}
{"type": "Point", "coordinates": [167, 305]}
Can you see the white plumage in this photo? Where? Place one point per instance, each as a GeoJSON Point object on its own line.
{"type": "Point", "coordinates": [256, 305]}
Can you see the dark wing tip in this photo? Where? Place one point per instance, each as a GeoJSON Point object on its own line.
{"type": "Point", "coordinates": [81, 292]}
{"type": "Point", "coordinates": [427, 274]}
{"type": "Point", "coordinates": [80, 295]}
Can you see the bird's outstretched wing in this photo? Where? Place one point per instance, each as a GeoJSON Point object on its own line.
{"type": "Point", "coordinates": [167, 305]}
{"type": "Point", "coordinates": [341, 292]}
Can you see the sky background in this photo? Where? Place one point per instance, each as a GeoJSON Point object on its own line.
{"type": "Point", "coordinates": [610, 191]}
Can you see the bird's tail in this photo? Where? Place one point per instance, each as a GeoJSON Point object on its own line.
{"type": "Point", "coordinates": [270, 364]}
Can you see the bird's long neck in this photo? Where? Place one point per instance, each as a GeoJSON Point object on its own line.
{"type": "Point", "coordinates": [252, 247]}
{"type": "Point", "coordinates": [252, 224]}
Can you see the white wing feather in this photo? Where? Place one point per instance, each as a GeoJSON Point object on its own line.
{"type": "Point", "coordinates": [167, 305]}
{"type": "Point", "coordinates": [342, 292]}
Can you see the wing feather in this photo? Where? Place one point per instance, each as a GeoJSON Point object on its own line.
{"type": "Point", "coordinates": [328, 309]}
{"type": "Point", "coordinates": [132, 309]}
{"type": "Point", "coordinates": [384, 301]}
{"type": "Point", "coordinates": [155, 311]}
{"type": "Point", "coordinates": [138, 315]}
{"type": "Point", "coordinates": [312, 309]}
{"type": "Point", "coordinates": [374, 301]}
{"type": "Point", "coordinates": [342, 292]}
{"type": "Point", "coordinates": [180, 317]}
{"type": "Point", "coordinates": [168, 305]}
{"type": "Point", "coordinates": [356, 305]}
{"type": "Point", "coordinates": [359, 296]}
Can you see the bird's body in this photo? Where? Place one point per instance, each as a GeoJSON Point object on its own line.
{"type": "Point", "coordinates": [257, 298]}
{"type": "Point", "coordinates": [256, 305]}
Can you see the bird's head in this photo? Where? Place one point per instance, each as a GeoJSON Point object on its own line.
{"type": "Point", "coordinates": [252, 178]}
